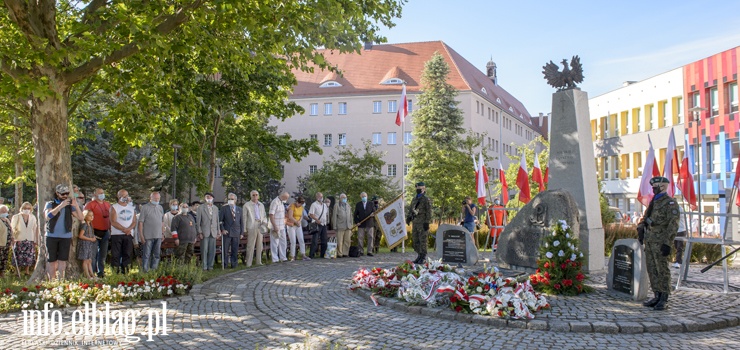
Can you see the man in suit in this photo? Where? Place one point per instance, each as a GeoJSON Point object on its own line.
{"type": "Point", "coordinates": [363, 210]}
{"type": "Point", "coordinates": [208, 233]}
{"type": "Point", "coordinates": [232, 227]}
{"type": "Point", "coordinates": [254, 218]}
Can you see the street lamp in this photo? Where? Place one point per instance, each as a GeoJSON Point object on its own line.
{"type": "Point", "coordinates": [697, 118]}
{"type": "Point", "coordinates": [174, 171]}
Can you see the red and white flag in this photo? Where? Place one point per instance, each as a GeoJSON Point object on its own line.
{"type": "Point", "coordinates": [537, 174]}
{"type": "Point", "coordinates": [522, 181]}
{"type": "Point", "coordinates": [736, 183]}
{"type": "Point", "coordinates": [649, 170]}
{"type": "Point", "coordinates": [671, 164]}
{"type": "Point", "coordinates": [403, 108]}
{"type": "Point", "coordinates": [686, 182]}
{"type": "Point", "coordinates": [547, 174]}
{"type": "Point", "coordinates": [504, 187]}
{"type": "Point", "coordinates": [481, 179]}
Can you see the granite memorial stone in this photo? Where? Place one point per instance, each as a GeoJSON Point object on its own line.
{"type": "Point", "coordinates": [627, 272]}
{"type": "Point", "coordinates": [455, 245]}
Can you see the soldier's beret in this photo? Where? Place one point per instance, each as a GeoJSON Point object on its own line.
{"type": "Point", "coordinates": [658, 180]}
{"type": "Point", "coordinates": [420, 184]}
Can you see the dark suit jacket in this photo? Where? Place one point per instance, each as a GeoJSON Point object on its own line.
{"type": "Point", "coordinates": [361, 213]}
{"type": "Point", "coordinates": [231, 221]}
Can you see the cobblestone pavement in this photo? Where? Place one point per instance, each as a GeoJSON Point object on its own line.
{"type": "Point", "coordinates": [307, 305]}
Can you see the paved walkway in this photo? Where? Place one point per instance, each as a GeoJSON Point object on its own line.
{"type": "Point", "coordinates": [307, 305]}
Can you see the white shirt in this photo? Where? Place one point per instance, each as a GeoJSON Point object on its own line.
{"type": "Point", "coordinates": [124, 217]}
{"type": "Point", "coordinates": [316, 210]}
{"type": "Point", "coordinates": [277, 209]}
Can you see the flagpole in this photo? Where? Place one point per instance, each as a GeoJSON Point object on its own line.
{"type": "Point", "coordinates": [403, 161]}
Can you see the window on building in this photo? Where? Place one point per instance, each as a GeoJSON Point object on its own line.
{"type": "Point", "coordinates": [615, 167]}
{"type": "Point", "coordinates": [649, 117]}
{"type": "Point", "coordinates": [407, 137]}
{"type": "Point", "coordinates": [342, 108]}
{"type": "Point", "coordinates": [637, 165]}
{"type": "Point", "coordinates": [327, 140]}
{"type": "Point", "coordinates": [391, 138]}
{"type": "Point", "coordinates": [695, 100]}
{"type": "Point", "coordinates": [605, 162]}
{"type": "Point", "coordinates": [679, 109]}
{"type": "Point", "coordinates": [312, 169]}
{"type": "Point", "coordinates": [313, 137]}
{"type": "Point", "coordinates": [714, 101]}
{"type": "Point", "coordinates": [636, 115]}
{"type": "Point", "coordinates": [477, 107]}
{"type": "Point", "coordinates": [406, 168]}
{"type": "Point", "coordinates": [662, 116]}
{"type": "Point", "coordinates": [327, 108]}
{"type": "Point", "coordinates": [342, 139]}
{"type": "Point", "coordinates": [376, 138]}
{"type": "Point", "coordinates": [732, 97]}
{"type": "Point", "coordinates": [331, 83]}
{"type": "Point", "coordinates": [735, 155]}
{"type": "Point", "coordinates": [391, 170]}
{"type": "Point", "coordinates": [714, 163]}
{"type": "Point", "coordinates": [411, 106]}
{"type": "Point", "coordinates": [392, 106]}
{"type": "Point", "coordinates": [377, 106]}
{"type": "Point", "coordinates": [314, 109]}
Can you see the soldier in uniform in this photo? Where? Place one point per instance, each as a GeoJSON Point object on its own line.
{"type": "Point", "coordinates": [656, 230]}
{"type": "Point", "coordinates": [420, 214]}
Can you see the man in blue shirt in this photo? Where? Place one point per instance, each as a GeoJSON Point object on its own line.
{"type": "Point", "coordinates": [59, 230]}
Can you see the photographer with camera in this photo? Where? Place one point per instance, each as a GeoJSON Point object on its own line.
{"type": "Point", "coordinates": [59, 213]}
{"type": "Point", "coordinates": [657, 230]}
{"type": "Point", "coordinates": [469, 216]}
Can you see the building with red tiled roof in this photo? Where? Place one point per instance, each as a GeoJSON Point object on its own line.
{"type": "Point", "coordinates": [361, 103]}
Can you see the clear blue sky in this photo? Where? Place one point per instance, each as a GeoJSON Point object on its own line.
{"type": "Point", "coordinates": [616, 40]}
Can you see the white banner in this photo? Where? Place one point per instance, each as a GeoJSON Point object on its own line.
{"type": "Point", "coordinates": [391, 222]}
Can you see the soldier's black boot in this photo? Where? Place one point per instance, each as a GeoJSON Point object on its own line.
{"type": "Point", "coordinates": [652, 302]}
{"type": "Point", "coordinates": [417, 260]}
{"type": "Point", "coordinates": [423, 259]}
{"type": "Point", "coordinates": [662, 302]}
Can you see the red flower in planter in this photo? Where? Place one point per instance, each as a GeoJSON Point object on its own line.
{"type": "Point", "coordinates": [121, 283]}
{"type": "Point", "coordinates": [454, 299]}
{"type": "Point", "coordinates": [7, 291]}
{"type": "Point", "coordinates": [556, 286]}
{"type": "Point", "coordinates": [567, 283]}
{"type": "Point", "coordinates": [580, 277]}
{"type": "Point", "coordinates": [547, 265]}
{"type": "Point", "coordinates": [130, 284]}
{"type": "Point", "coordinates": [24, 289]}
{"type": "Point", "coordinates": [85, 286]}
{"type": "Point", "coordinates": [547, 275]}
{"type": "Point", "coordinates": [562, 266]}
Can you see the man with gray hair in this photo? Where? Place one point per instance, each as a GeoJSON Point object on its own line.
{"type": "Point", "coordinates": [232, 229]}
{"type": "Point", "coordinates": [150, 232]}
{"type": "Point", "coordinates": [255, 221]}
{"type": "Point", "coordinates": [364, 211]}
{"type": "Point", "coordinates": [319, 213]}
{"type": "Point", "coordinates": [342, 221]}
{"type": "Point", "coordinates": [278, 241]}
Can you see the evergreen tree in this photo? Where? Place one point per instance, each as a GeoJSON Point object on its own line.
{"type": "Point", "coordinates": [440, 151]}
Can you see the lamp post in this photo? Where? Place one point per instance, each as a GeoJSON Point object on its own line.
{"type": "Point", "coordinates": [696, 111]}
{"type": "Point", "coordinates": [174, 171]}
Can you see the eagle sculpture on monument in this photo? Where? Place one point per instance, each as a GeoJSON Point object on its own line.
{"type": "Point", "coordinates": [568, 78]}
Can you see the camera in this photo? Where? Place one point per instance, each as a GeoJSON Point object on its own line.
{"type": "Point", "coordinates": [464, 202]}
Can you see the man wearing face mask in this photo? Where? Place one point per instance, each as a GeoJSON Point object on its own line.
{"type": "Point", "coordinates": [101, 229]}
{"type": "Point", "coordinates": [123, 223]}
{"type": "Point", "coordinates": [232, 227]}
{"type": "Point", "coordinates": [319, 213]}
{"type": "Point", "coordinates": [657, 230]}
{"type": "Point", "coordinates": [183, 231]}
{"type": "Point", "coordinates": [342, 221]}
{"type": "Point", "coordinates": [363, 210]}
{"type": "Point", "coordinates": [208, 232]}
{"type": "Point", "coordinates": [278, 241]}
{"type": "Point", "coordinates": [150, 232]}
{"type": "Point", "coordinates": [420, 215]}
{"type": "Point", "coordinates": [174, 210]}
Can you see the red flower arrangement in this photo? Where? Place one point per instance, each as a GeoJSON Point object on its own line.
{"type": "Point", "coordinates": [560, 264]}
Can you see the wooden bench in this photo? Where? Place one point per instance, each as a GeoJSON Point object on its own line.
{"type": "Point", "coordinates": [198, 255]}
{"type": "Point", "coordinates": [168, 248]}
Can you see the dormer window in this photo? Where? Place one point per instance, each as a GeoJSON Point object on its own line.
{"type": "Point", "coordinates": [483, 90]}
{"type": "Point", "coordinates": [511, 109]}
{"type": "Point", "coordinates": [392, 81]}
{"type": "Point", "coordinates": [498, 100]}
{"type": "Point", "coordinates": [330, 84]}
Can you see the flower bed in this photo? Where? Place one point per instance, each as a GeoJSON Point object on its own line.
{"type": "Point", "coordinates": [75, 294]}
{"type": "Point", "coordinates": [435, 284]}
{"type": "Point", "coordinates": [560, 264]}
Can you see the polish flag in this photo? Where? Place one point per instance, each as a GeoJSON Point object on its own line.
{"type": "Point", "coordinates": [403, 108]}
{"type": "Point", "coordinates": [671, 164]}
{"type": "Point", "coordinates": [737, 182]}
{"type": "Point", "coordinates": [645, 194]}
{"type": "Point", "coordinates": [522, 181]}
{"type": "Point", "coordinates": [504, 187]}
{"type": "Point", "coordinates": [537, 173]}
{"type": "Point", "coordinates": [481, 179]}
{"type": "Point", "coordinates": [686, 182]}
{"type": "Point", "coordinates": [547, 174]}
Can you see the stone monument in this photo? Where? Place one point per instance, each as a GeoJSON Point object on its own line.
{"type": "Point", "coordinates": [572, 165]}
{"type": "Point", "coordinates": [627, 270]}
{"type": "Point", "coordinates": [455, 245]}
{"type": "Point", "coordinates": [519, 244]}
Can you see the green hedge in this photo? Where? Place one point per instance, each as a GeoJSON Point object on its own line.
{"type": "Point", "coordinates": [700, 252]}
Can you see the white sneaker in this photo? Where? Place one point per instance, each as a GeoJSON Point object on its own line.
{"type": "Point", "coordinates": [677, 265]}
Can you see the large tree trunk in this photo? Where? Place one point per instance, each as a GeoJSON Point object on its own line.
{"type": "Point", "coordinates": [53, 165]}
{"type": "Point", "coordinates": [214, 140]}
{"type": "Point", "coordinates": [18, 164]}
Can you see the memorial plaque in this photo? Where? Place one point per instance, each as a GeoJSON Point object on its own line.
{"type": "Point", "coordinates": [624, 269]}
{"type": "Point", "coordinates": [454, 246]}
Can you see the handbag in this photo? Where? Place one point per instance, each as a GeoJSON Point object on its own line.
{"type": "Point", "coordinates": [354, 251]}
{"type": "Point", "coordinates": [331, 249]}
{"type": "Point", "coordinates": [313, 225]}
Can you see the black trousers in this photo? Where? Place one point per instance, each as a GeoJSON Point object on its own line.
{"type": "Point", "coordinates": [122, 249]}
{"type": "Point", "coordinates": [320, 234]}
{"type": "Point", "coordinates": [230, 244]}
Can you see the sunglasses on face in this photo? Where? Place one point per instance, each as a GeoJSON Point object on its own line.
{"type": "Point", "coordinates": [64, 194]}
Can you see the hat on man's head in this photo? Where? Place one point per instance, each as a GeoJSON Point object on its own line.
{"type": "Point", "coordinates": [659, 180]}
{"type": "Point", "coordinates": [62, 188]}
{"type": "Point", "coordinates": [420, 183]}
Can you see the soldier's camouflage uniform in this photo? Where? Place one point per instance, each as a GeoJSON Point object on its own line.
{"type": "Point", "coordinates": [662, 231]}
{"type": "Point", "coordinates": [422, 206]}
